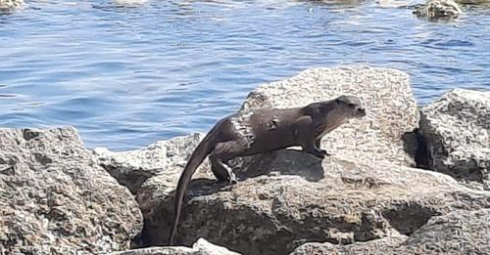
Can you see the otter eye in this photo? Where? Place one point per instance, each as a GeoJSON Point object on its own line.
{"type": "Point", "coordinates": [351, 105]}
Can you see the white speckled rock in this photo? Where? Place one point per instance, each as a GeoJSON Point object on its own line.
{"type": "Point", "coordinates": [386, 94]}
{"type": "Point", "coordinates": [11, 5]}
{"type": "Point", "coordinates": [438, 9]}
{"type": "Point", "coordinates": [133, 168]}
{"type": "Point", "coordinates": [201, 247]}
{"type": "Point", "coordinates": [457, 130]}
{"type": "Point", "coordinates": [55, 198]}
{"type": "Point", "coordinates": [458, 232]}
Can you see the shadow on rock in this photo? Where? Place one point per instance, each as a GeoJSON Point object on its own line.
{"type": "Point", "coordinates": [283, 162]}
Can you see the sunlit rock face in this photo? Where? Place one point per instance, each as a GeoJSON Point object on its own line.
{"type": "Point", "coordinates": [457, 130]}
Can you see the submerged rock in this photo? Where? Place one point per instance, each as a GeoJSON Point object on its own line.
{"type": "Point", "coordinates": [54, 198]}
{"type": "Point", "coordinates": [457, 130]}
{"type": "Point", "coordinates": [438, 10]}
{"type": "Point", "coordinates": [201, 247]}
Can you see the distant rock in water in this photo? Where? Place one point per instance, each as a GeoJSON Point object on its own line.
{"type": "Point", "coordinates": [438, 10]}
{"type": "Point", "coordinates": [129, 3]}
{"type": "Point", "coordinates": [11, 5]}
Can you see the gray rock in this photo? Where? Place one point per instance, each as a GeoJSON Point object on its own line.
{"type": "Point", "coordinates": [303, 200]}
{"type": "Point", "coordinates": [385, 93]}
{"type": "Point", "coordinates": [380, 246]}
{"type": "Point", "coordinates": [457, 130]}
{"type": "Point", "coordinates": [133, 168]}
{"type": "Point", "coordinates": [55, 198]}
{"type": "Point", "coordinates": [201, 247]}
{"type": "Point", "coordinates": [458, 232]}
{"type": "Point", "coordinates": [438, 10]}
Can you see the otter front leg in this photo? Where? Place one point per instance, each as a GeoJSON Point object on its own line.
{"type": "Point", "coordinates": [311, 148]}
{"type": "Point", "coordinates": [318, 144]}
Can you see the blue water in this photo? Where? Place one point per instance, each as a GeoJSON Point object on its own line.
{"type": "Point", "coordinates": [126, 77]}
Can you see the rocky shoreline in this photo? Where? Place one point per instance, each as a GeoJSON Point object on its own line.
{"type": "Point", "coordinates": [404, 180]}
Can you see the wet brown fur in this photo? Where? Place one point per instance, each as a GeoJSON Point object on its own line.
{"type": "Point", "coordinates": [262, 131]}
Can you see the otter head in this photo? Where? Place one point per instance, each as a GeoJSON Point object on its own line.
{"type": "Point", "coordinates": [351, 105]}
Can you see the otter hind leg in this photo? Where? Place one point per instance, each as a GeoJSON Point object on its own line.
{"type": "Point", "coordinates": [220, 155]}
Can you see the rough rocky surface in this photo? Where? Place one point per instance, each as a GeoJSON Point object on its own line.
{"type": "Point", "coordinates": [365, 197]}
{"type": "Point", "coordinates": [201, 247]}
{"type": "Point", "coordinates": [438, 10]}
{"type": "Point", "coordinates": [55, 198]}
{"type": "Point", "coordinates": [386, 94]}
{"type": "Point", "coordinates": [303, 200]}
{"type": "Point", "coordinates": [133, 168]}
{"type": "Point", "coordinates": [457, 132]}
{"type": "Point", "coordinates": [458, 232]}
{"type": "Point", "coordinates": [379, 246]}
{"type": "Point", "coordinates": [11, 5]}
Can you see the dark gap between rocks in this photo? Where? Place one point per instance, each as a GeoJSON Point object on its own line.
{"type": "Point", "coordinates": [129, 179]}
{"type": "Point", "coordinates": [415, 144]}
{"type": "Point", "coordinates": [408, 218]}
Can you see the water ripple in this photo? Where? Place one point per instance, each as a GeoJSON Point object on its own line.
{"type": "Point", "coordinates": [126, 77]}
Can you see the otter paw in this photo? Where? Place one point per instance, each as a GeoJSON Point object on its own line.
{"type": "Point", "coordinates": [325, 153]}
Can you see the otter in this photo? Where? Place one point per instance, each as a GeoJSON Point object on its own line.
{"type": "Point", "coordinates": [263, 130]}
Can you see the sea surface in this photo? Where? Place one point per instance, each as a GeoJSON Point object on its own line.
{"type": "Point", "coordinates": [128, 76]}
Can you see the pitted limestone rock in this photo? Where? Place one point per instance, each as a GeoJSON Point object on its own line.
{"type": "Point", "coordinates": [54, 198]}
{"type": "Point", "coordinates": [457, 130]}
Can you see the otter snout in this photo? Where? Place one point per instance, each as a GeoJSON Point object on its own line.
{"type": "Point", "coordinates": [361, 112]}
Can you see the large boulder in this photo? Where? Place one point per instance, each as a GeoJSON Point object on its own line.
{"type": "Point", "coordinates": [386, 94]}
{"type": "Point", "coordinates": [456, 128]}
{"type": "Point", "coordinates": [458, 232]}
{"type": "Point", "coordinates": [55, 198]}
{"type": "Point", "coordinates": [133, 168]}
{"type": "Point", "coordinates": [306, 200]}
{"type": "Point", "coordinates": [201, 247]}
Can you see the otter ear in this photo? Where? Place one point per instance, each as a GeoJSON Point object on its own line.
{"type": "Point", "coordinates": [340, 99]}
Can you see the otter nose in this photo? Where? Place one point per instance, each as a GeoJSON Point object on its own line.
{"type": "Point", "coordinates": [361, 111]}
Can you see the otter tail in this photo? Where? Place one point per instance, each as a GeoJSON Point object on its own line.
{"type": "Point", "coordinates": [197, 157]}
